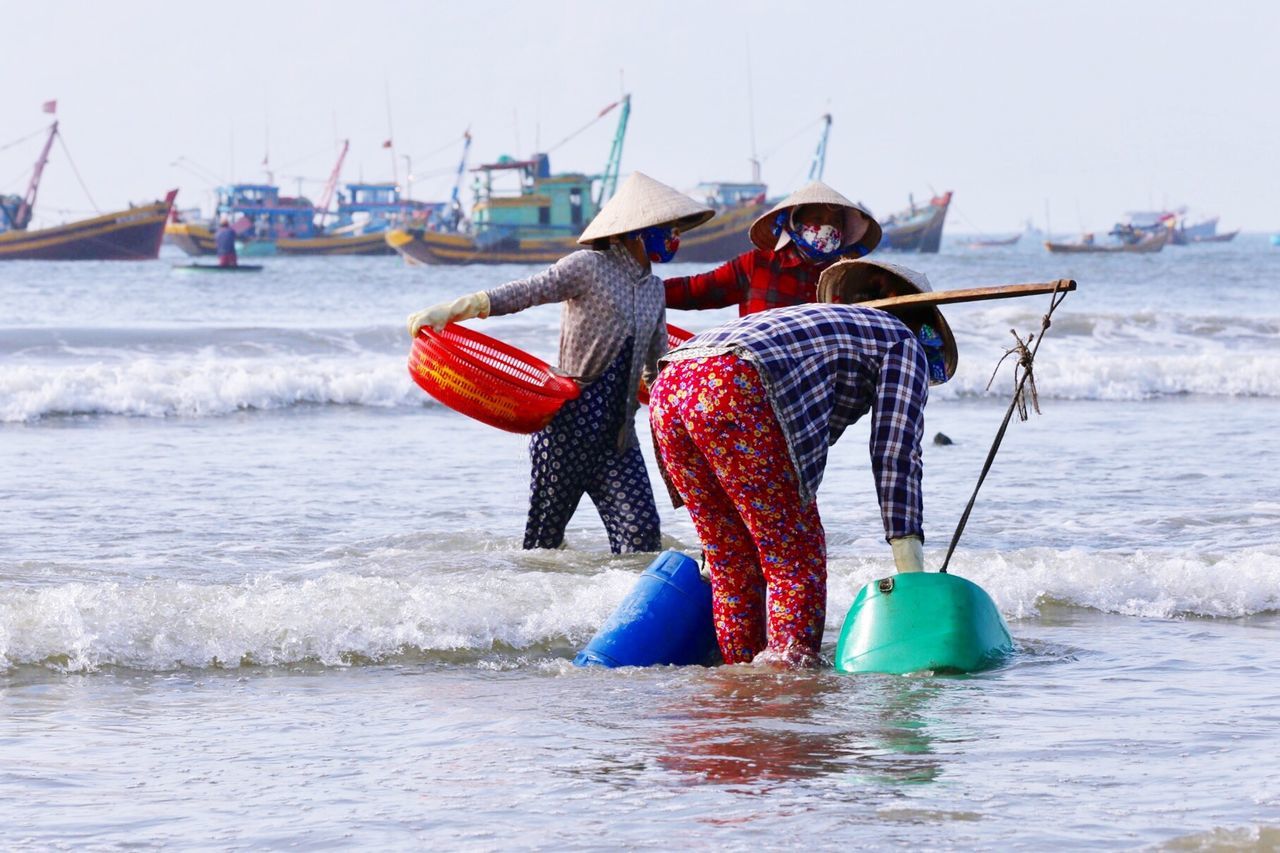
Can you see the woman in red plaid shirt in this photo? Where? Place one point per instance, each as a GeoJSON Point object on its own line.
{"type": "Point", "coordinates": [800, 237]}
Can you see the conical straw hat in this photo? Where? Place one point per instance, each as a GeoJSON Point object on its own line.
{"type": "Point", "coordinates": [847, 282]}
{"type": "Point", "coordinates": [814, 192]}
{"type": "Point", "coordinates": [640, 202]}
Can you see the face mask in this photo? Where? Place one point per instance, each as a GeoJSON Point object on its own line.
{"type": "Point", "coordinates": [821, 240]}
{"type": "Point", "coordinates": [660, 243]}
{"type": "Point", "coordinates": [934, 353]}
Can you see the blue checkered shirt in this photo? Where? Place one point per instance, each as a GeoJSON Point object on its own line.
{"type": "Point", "coordinates": [824, 367]}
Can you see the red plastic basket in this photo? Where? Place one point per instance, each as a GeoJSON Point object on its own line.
{"type": "Point", "coordinates": [488, 380]}
{"type": "Point", "coordinates": [675, 337]}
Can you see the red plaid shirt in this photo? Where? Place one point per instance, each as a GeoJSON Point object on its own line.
{"type": "Point", "coordinates": [754, 281]}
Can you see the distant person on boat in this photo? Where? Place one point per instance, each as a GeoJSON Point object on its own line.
{"type": "Point", "coordinates": [225, 243]}
{"type": "Point", "coordinates": [800, 237]}
{"type": "Point", "coordinates": [743, 415]}
{"type": "Point", "coordinates": [612, 332]}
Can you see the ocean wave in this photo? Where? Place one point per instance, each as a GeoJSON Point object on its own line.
{"type": "Point", "coordinates": [332, 620]}
{"type": "Point", "coordinates": [213, 387]}
{"type": "Point", "coordinates": [339, 618]}
{"type": "Point", "coordinates": [201, 387]}
{"type": "Point", "coordinates": [1127, 376]}
{"type": "Point", "coordinates": [171, 372]}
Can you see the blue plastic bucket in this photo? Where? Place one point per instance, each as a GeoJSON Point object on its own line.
{"type": "Point", "coordinates": [665, 619]}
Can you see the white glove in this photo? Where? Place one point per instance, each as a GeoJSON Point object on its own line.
{"type": "Point", "coordinates": [908, 554]}
{"type": "Point", "coordinates": [462, 308]}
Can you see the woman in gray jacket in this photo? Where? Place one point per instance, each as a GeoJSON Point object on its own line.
{"type": "Point", "coordinates": [612, 332]}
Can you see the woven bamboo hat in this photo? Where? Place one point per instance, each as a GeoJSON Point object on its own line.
{"type": "Point", "coordinates": [640, 202]}
{"type": "Point", "coordinates": [850, 281]}
{"type": "Point", "coordinates": [814, 192]}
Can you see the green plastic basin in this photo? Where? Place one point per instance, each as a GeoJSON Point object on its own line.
{"type": "Point", "coordinates": [922, 621]}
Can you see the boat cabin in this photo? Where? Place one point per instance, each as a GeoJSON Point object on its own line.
{"type": "Point", "coordinates": [377, 207]}
{"type": "Point", "coordinates": [258, 211]}
{"type": "Point", "coordinates": [723, 194]}
{"type": "Point", "coordinates": [541, 204]}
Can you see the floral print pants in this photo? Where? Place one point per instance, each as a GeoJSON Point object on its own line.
{"type": "Point", "coordinates": [725, 454]}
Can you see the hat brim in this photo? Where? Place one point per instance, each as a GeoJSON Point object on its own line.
{"type": "Point", "coordinates": [849, 283]}
{"type": "Point", "coordinates": [641, 202]}
{"type": "Point", "coordinates": [762, 229]}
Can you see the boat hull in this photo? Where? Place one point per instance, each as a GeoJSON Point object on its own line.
{"type": "Point", "coordinates": [1226, 237]}
{"type": "Point", "coordinates": [723, 238]}
{"type": "Point", "coordinates": [1152, 243]}
{"type": "Point", "coordinates": [134, 234]}
{"type": "Point", "coordinates": [360, 244]}
{"type": "Point", "coordinates": [194, 239]}
{"type": "Point", "coordinates": [918, 230]}
{"type": "Point", "coordinates": [987, 244]}
{"type": "Point", "coordinates": [433, 247]}
{"type": "Point", "coordinates": [922, 622]}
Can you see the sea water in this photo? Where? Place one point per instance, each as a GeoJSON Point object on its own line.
{"type": "Point", "coordinates": [258, 590]}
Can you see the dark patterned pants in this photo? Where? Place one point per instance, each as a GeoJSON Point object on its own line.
{"type": "Point", "coordinates": [576, 454]}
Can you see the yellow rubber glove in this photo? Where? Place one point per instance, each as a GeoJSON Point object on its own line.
{"type": "Point", "coordinates": [440, 314]}
{"type": "Point", "coordinates": [908, 554]}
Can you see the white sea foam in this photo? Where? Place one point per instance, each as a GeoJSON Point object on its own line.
{"type": "Point", "coordinates": [210, 386]}
{"type": "Point", "coordinates": [201, 386]}
{"type": "Point", "coordinates": [340, 616]}
{"type": "Point", "coordinates": [1124, 376]}
{"type": "Point", "coordinates": [1146, 583]}
{"type": "Point", "coordinates": [160, 625]}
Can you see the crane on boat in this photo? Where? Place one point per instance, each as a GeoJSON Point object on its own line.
{"type": "Point", "coordinates": [331, 185]}
{"type": "Point", "coordinates": [609, 180]}
{"type": "Point", "coordinates": [820, 156]}
{"type": "Point", "coordinates": [455, 203]}
{"type": "Point", "coordinates": [15, 210]}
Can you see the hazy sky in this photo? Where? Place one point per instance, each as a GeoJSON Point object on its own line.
{"type": "Point", "coordinates": [1095, 107]}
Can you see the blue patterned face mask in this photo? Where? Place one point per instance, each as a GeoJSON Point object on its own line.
{"type": "Point", "coordinates": [660, 243]}
{"type": "Point", "coordinates": [934, 352]}
{"type": "Point", "coordinates": [816, 242]}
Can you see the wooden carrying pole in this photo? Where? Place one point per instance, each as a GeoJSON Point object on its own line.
{"type": "Point", "coordinates": [972, 294]}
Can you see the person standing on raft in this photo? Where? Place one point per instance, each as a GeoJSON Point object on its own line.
{"type": "Point", "coordinates": [225, 243]}
{"type": "Point", "coordinates": [612, 331]}
{"type": "Point", "coordinates": [801, 236]}
{"type": "Point", "coordinates": [742, 416]}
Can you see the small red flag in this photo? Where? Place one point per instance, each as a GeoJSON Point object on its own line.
{"type": "Point", "coordinates": [50, 106]}
{"type": "Point", "coordinates": [386, 143]}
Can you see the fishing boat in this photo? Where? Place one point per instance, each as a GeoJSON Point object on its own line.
{"type": "Point", "coordinates": [1186, 233]}
{"type": "Point", "coordinates": [1224, 237]}
{"type": "Point", "coordinates": [537, 223]}
{"type": "Point", "coordinates": [1144, 244]}
{"type": "Point", "coordinates": [365, 213]}
{"type": "Point", "coordinates": [989, 242]}
{"type": "Point", "coordinates": [258, 214]}
{"type": "Point", "coordinates": [1183, 230]}
{"type": "Point", "coordinates": [737, 206]}
{"type": "Point", "coordinates": [918, 228]}
{"type": "Point", "coordinates": [124, 235]}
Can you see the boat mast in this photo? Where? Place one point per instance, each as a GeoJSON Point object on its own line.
{"type": "Point", "coordinates": [609, 180]}
{"type": "Point", "coordinates": [331, 185]}
{"type": "Point", "coordinates": [455, 206]}
{"type": "Point", "coordinates": [820, 156]}
{"type": "Point", "coordinates": [23, 216]}
{"type": "Point", "coordinates": [751, 119]}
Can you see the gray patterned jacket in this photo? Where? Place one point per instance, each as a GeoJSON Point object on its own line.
{"type": "Point", "coordinates": [608, 297]}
